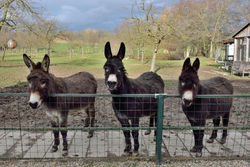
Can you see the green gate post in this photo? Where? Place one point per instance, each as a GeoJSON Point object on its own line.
{"type": "Point", "coordinates": [160, 102]}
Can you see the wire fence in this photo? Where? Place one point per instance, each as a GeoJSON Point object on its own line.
{"type": "Point", "coordinates": [27, 133]}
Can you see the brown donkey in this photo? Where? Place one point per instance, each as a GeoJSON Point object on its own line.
{"type": "Point", "coordinates": [42, 84]}
{"type": "Point", "coordinates": [198, 110]}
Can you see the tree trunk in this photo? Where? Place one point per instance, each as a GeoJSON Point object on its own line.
{"type": "Point", "coordinates": [211, 49]}
{"type": "Point", "coordinates": [3, 54]}
{"type": "Point", "coordinates": [142, 55]}
{"type": "Point", "coordinates": [138, 53]}
{"type": "Point", "coordinates": [187, 53]}
{"type": "Point", "coordinates": [49, 47]}
{"type": "Point", "coordinates": [154, 56]}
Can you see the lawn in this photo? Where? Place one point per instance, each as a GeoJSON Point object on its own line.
{"type": "Point", "coordinates": [13, 70]}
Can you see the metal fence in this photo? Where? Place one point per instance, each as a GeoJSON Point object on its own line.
{"type": "Point", "coordinates": [26, 133]}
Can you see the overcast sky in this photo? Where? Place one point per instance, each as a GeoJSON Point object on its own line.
{"type": "Point", "coordinates": [97, 14]}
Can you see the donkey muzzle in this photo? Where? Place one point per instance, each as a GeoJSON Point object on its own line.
{"type": "Point", "coordinates": [111, 85]}
{"type": "Point", "coordinates": [187, 103]}
{"type": "Point", "coordinates": [33, 105]}
{"type": "Point", "coordinates": [35, 100]}
{"type": "Point", "coordinates": [112, 82]}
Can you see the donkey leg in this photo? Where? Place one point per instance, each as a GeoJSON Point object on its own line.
{"type": "Point", "coordinates": [64, 116]}
{"type": "Point", "coordinates": [125, 123]}
{"type": "Point", "coordinates": [155, 118]}
{"type": "Point", "coordinates": [87, 120]}
{"type": "Point", "coordinates": [213, 136]}
{"type": "Point", "coordinates": [225, 120]}
{"type": "Point", "coordinates": [56, 137]}
{"type": "Point", "coordinates": [195, 133]}
{"type": "Point", "coordinates": [198, 138]}
{"type": "Point", "coordinates": [92, 119]}
{"type": "Point", "coordinates": [151, 124]}
{"type": "Point", "coordinates": [135, 123]}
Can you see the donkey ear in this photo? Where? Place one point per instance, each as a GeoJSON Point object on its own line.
{"type": "Point", "coordinates": [196, 64]}
{"type": "Point", "coordinates": [29, 63]}
{"type": "Point", "coordinates": [107, 51]}
{"type": "Point", "coordinates": [186, 64]}
{"type": "Point", "coordinates": [45, 63]}
{"type": "Point", "coordinates": [121, 53]}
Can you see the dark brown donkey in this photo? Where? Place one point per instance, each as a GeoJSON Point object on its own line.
{"type": "Point", "coordinates": [43, 84]}
{"type": "Point", "coordinates": [198, 110]}
{"type": "Point", "coordinates": [131, 108]}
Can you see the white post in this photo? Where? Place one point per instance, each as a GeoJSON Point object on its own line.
{"type": "Point", "coordinates": [235, 49]}
{"type": "Point", "coordinates": [247, 50]}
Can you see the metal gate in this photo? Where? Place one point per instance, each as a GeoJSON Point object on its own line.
{"type": "Point", "coordinates": [26, 133]}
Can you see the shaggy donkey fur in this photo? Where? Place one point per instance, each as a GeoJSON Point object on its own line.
{"type": "Point", "coordinates": [198, 110]}
{"type": "Point", "coordinates": [130, 108]}
{"type": "Point", "coordinates": [43, 84]}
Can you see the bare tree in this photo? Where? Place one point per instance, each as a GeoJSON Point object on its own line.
{"type": "Point", "coordinates": [46, 30]}
{"type": "Point", "coordinates": [4, 37]}
{"type": "Point", "coordinates": [153, 27]}
{"type": "Point", "coordinates": [13, 10]}
{"type": "Point", "coordinates": [201, 25]}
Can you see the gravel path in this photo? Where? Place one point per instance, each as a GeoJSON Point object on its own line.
{"type": "Point", "coordinates": [78, 163]}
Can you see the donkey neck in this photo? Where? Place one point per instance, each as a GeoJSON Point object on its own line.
{"type": "Point", "coordinates": [57, 84]}
{"type": "Point", "coordinates": [202, 89]}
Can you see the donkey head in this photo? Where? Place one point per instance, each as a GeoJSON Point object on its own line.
{"type": "Point", "coordinates": [114, 69]}
{"type": "Point", "coordinates": [38, 80]}
{"type": "Point", "coordinates": [189, 81]}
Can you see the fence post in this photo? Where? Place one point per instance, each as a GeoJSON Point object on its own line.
{"type": "Point", "coordinates": [20, 124]}
{"type": "Point", "coordinates": [160, 103]}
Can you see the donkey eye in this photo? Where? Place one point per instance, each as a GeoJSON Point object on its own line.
{"type": "Point", "coordinates": [43, 83]}
{"type": "Point", "coordinates": [106, 69]}
{"type": "Point", "coordinates": [30, 85]}
{"type": "Point", "coordinates": [182, 83]}
{"type": "Point", "coordinates": [118, 70]}
{"type": "Point", "coordinates": [194, 85]}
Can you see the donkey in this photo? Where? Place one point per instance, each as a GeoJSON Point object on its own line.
{"type": "Point", "coordinates": [42, 84]}
{"type": "Point", "coordinates": [198, 110]}
{"type": "Point", "coordinates": [130, 108]}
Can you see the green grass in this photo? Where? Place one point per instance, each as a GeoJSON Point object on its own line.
{"type": "Point", "coordinates": [13, 70]}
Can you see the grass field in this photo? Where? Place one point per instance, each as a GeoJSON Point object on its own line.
{"type": "Point", "coordinates": [13, 69]}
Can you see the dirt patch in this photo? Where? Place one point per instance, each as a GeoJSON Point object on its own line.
{"type": "Point", "coordinates": [15, 111]}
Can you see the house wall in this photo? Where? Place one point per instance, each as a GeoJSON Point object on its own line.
{"type": "Point", "coordinates": [244, 33]}
{"type": "Point", "coordinates": [230, 51]}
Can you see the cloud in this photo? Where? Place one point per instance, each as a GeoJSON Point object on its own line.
{"type": "Point", "coordinates": [98, 14]}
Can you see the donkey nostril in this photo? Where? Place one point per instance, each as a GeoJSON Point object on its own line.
{"type": "Point", "coordinates": [111, 84]}
{"type": "Point", "coordinates": [33, 105]}
{"type": "Point", "coordinates": [187, 102]}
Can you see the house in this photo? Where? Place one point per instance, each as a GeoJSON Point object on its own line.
{"type": "Point", "coordinates": [242, 44]}
{"type": "Point", "coordinates": [229, 49]}
{"type": "Point", "coordinates": [229, 53]}
{"type": "Point", "coordinates": [237, 53]}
